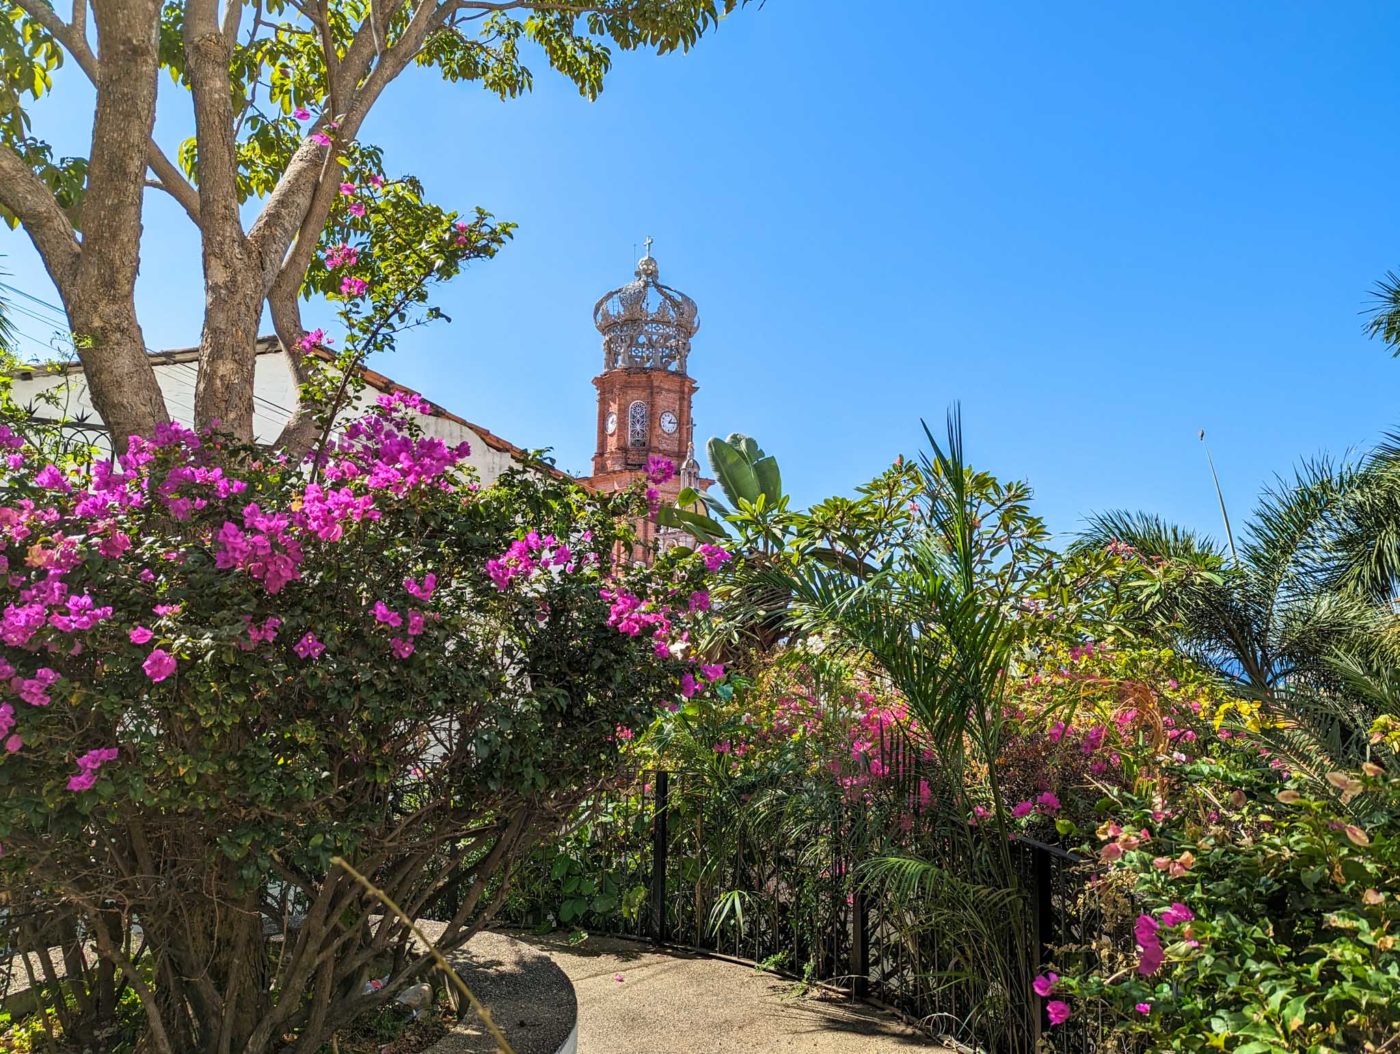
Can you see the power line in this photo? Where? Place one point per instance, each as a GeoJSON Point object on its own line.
{"type": "Point", "coordinates": [31, 297]}
{"type": "Point", "coordinates": [61, 319]}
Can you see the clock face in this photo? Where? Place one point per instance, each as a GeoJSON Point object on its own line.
{"type": "Point", "coordinates": [668, 422]}
{"type": "Point", "coordinates": [611, 423]}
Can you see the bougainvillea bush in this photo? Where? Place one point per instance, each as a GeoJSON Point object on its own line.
{"type": "Point", "coordinates": [221, 669]}
{"type": "Point", "coordinates": [1263, 909]}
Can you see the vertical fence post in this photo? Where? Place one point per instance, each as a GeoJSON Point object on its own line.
{"type": "Point", "coordinates": [659, 844]}
{"type": "Point", "coordinates": [1042, 880]}
{"type": "Point", "coordinates": [860, 945]}
{"type": "Point", "coordinates": [1042, 915]}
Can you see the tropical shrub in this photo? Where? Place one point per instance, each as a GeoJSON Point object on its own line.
{"type": "Point", "coordinates": [1262, 906]}
{"type": "Point", "coordinates": [220, 672]}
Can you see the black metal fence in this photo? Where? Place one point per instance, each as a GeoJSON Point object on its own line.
{"type": "Point", "coordinates": [686, 864]}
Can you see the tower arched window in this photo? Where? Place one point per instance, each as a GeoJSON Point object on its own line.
{"type": "Point", "coordinates": [637, 423]}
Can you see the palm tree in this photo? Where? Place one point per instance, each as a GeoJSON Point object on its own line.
{"type": "Point", "coordinates": [1385, 312]}
{"type": "Point", "coordinates": [1366, 537]}
{"type": "Point", "coordinates": [939, 623]}
{"type": "Point", "coordinates": [8, 343]}
{"type": "Point", "coordinates": [1263, 617]}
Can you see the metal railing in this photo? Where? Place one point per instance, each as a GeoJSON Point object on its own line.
{"type": "Point", "coordinates": [789, 894]}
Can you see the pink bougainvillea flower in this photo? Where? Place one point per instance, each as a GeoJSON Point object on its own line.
{"type": "Point", "coordinates": [1176, 915]}
{"type": "Point", "coordinates": [1022, 808]}
{"type": "Point", "coordinates": [342, 256]}
{"type": "Point", "coordinates": [402, 649]}
{"type": "Point", "coordinates": [713, 556]}
{"type": "Point", "coordinates": [308, 647]}
{"type": "Point", "coordinates": [35, 690]}
{"type": "Point", "coordinates": [1058, 1011]}
{"type": "Point", "coordinates": [1045, 984]}
{"type": "Point", "coordinates": [88, 766]}
{"type": "Point", "coordinates": [301, 113]}
{"type": "Point", "coordinates": [1182, 864]}
{"type": "Point", "coordinates": [320, 138]}
{"type": "Point", "coordinates": [660, 468]}
{"type": "Point", "coordinates": [387, 615]}
{"type": "Point", "coordinates": [139, 635]}
{"type": "Point", "coordinates": [689, 685]}
{"type": "Point", "coordinates": [1048, 802]}
{"type": "Point", "coordinates": [1143, 1008]}
{"type": "Point", "coordinates": [114, 544]}
{"type": "Point", "coordinates": [1145, 933]}
{"type": "Point", "coordinates": [313, 339]}
{"type": "Point", "coordinates": [159, 665]}
{"type": "Point", "coordinates": [714, 672]}
{"type": "Point", "coordinates": [618, 978]}
{"type": "Point", "coordinates": [167, 609]}
{"type": "Point", "coordinates": [356, 209]}
{"type": "Point", "coordinates": [421, 591]}
{"type": "Point", "coordinates": [351, 286]}
{"type": "Point", "coordinates": [348, 189]}
{"type": "Point", "coordinates": [264, 633]}
{"type": "Point", "coordinates": [51, 478]}
{"type": "Point", "coordinates": [1145, 929]}
{"type": "Point", "coordinates": [14, 743]}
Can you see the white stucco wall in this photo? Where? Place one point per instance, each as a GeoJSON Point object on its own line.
{"type": "Point", "coordinates": [64, 396]}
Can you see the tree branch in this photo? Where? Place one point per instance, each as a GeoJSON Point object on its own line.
{"type": "Point", "coordinates": [288, 213]}
{"type": "Point", "coordinates": [29, 198]}
{"type": "Point", "coordinates": [233, 13]}
{"type": "Point", "coordinates": [171, 180]}
{"type": "Point", "coordinates": [233, 290]}
{"type": "Point", "coordinates": [73, 37]}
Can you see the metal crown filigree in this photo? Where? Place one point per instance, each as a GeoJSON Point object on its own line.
{"type": "Point", "coordinates": [646, 324]}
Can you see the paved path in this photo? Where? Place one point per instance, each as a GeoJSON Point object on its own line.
{"type": "Point", "coordinates": [672, 1003]}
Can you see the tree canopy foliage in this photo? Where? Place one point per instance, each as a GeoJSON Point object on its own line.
{"type": "Point", "coordinates": [276, 93]}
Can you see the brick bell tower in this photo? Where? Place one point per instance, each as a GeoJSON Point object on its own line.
{"type": "Point", "coordinates": [644, 392]}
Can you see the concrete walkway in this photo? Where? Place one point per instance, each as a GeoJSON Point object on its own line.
{"type": "Point", "coordinates": [673, 1003]}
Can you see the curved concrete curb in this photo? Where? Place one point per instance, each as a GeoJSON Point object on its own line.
{"type": "Point", "coordinates": [529, 996]}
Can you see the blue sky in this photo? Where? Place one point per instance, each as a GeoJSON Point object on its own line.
{"type": "Point", "coordinates": [1102, 227]}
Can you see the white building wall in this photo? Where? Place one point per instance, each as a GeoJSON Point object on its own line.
{"type": "Point", "coordinates": [63, 396]}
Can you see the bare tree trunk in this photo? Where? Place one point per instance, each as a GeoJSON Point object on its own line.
{"type": "Point", "coordinates": [98, 287]}
{"type": "Point", "coordinates": [223, 395]}
{"type": "Point", "coordinates": [300, 429]}
{"type": "Point", "coordinates": [233, 290]}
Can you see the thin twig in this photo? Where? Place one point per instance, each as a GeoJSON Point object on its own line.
{"type": "Point", "coordinates": [441, 960]}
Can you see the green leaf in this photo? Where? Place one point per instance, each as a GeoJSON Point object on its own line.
{"type": "Point", "coordinates": [698, 525]}
{"type": "Point", "coordinates": [734, 471]}
{"type": "Point", "coordinates": [770, 479]}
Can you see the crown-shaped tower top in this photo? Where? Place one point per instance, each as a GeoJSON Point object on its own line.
{"type": "Point", "coordinates": [646, 325]}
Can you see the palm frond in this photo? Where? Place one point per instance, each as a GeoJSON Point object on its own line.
{"type": "Point", "coordinates": [1151, 536]}
{"type": "Point", "coordinates": [1286, 538]}
{"type": "Point", "coordinates": [1384, 312]}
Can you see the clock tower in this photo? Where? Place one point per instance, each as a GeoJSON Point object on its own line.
{"type": "Point", "coordinates": [644, 392]}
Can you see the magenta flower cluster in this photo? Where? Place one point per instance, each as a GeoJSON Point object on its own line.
{"type": "Point", "coordinates": [88, 766]}
{"type": "Point", "coordinates": [529, 556]}
{"type": "Point", "coordinates": [1146, 932]}
{"type": "Point", "coordinates": [86, 513]}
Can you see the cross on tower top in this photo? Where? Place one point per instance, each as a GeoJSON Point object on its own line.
{"type": "Point", "coordinates": [647, 243]}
